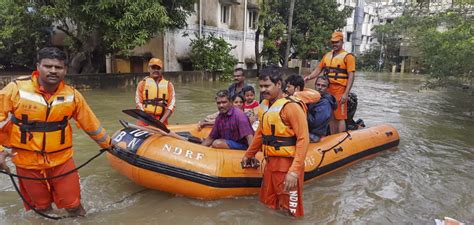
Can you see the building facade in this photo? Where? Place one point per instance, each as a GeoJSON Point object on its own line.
{"type": "Point", "coordinates": [233, 20]}
{"type": "Point", "coordinates": [358, 32]}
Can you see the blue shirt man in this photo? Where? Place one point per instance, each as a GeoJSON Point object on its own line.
{"type": "Point", "coordinates": [320, 113]}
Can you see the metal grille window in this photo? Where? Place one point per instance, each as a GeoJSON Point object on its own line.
{"type": "Point", "coordinates": [252, 19]}
{"type": "Point", "coordinates": [225, 14]}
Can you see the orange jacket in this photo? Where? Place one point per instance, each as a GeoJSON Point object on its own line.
{"type": "Point", "coordinates": [293, 116]}
{"type": "Point", "coordinates": [40, 132]}
{"type": "Point", "coordinates": [154, 97]}
{"type": "Point", "coordinates": [336, 67]}
{"type": "Point", "coordinates": [308, 95]}
{"type": "Point", "coordinates": [278, 138]}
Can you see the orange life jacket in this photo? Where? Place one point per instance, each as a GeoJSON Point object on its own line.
{"type": "Point", "coordinates": [42, 125]}
{"type": "Point", "coordinates": [155, 96]}
{"type": "Point", "coordinates": [308, 95]}
{"type": "Point", "coordinates": [278, 139]}
{"type": "Point", "coordinates": [335, 68]}
{"type": "Point", "coordinates": [5, 127]}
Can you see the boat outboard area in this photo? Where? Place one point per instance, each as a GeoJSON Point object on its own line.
{"type": "Point", "coordinates": [181, 167]}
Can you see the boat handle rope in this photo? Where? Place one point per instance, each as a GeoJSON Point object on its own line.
{"type": "Point", "coordinates": [11, 175]}
{"type": "Point", "coordinates": [329, 149]}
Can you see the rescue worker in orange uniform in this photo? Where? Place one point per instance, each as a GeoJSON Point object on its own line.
{"type": "Point", "coordinates": [339, 66]}
{"type": "Point", "coordinates": [36, 109]}
{"type": "Point", "coordinates": [155, 95]}
{"type": "Point", "coordinates": [283, 137]}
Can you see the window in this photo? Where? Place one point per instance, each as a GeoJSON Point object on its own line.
{"type": "Point", "coordinates": [348, 39]}
{"type": "Point", "coordinates": [252, 19]}
{"type": "Point", "coordinates": [225, 14]}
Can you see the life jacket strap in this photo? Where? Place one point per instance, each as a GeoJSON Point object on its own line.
{"type": "Point", "coordinates": [277, 141]}
{"type": "Point", "coordinates": [337, 73]}
{"type": "Point", "coordinates": [27, 127]}
{"type": "Point", "coordinates": [43, 152]}
{"type": "Point", "coordinates": [156, 102]}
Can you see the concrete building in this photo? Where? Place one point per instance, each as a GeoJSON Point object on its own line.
{"type": "Point", "coordinates": [358, 32]}
{"type": "Point", "coordinates": [233, 20]}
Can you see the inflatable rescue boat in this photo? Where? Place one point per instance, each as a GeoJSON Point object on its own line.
{"type": "Point", "coordinates": [184, 168]}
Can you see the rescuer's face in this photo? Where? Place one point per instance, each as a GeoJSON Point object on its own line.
{"type": "Point", "coordinates": [51, 71]}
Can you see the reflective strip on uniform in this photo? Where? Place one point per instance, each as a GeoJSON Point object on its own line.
{"type": "Point", "coordinates": [275, 109]}
{"type": "Point", "coordinates": [173, 99]}
{"type": "Point", "coordinates": [67, 99]}
{"type": "Point", "coordinates": [95, 132]}
{"type": "Point", "coordinates": [163, 85]}
{"type": "Point", "coordinates": [32, 97]}
{"type": "Point", "coordinates": [5, 122]}
{"type": "Point", "coordinates": [102, 139]}
{"type": "Point", "coordinates": [264, 107]}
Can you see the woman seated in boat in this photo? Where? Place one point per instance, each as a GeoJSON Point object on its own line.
{"type": "Point", "coordinates": [232, 129]}
{"type": "Point", "coordinates": [238, 102]}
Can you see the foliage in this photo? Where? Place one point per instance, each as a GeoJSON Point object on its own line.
{"type": "Point", "coordinates": [313, 23]}
{"type": "Point", "coordinates": [20, 31]}
{"type": "Point", "coordinates": [211, 53]}
{"type": "Point", "coordinates": [272, 44]}
{"type": "Point", "coordinates": [449, 51]}
{"type": "Point", "coordinates": [443, 40]}
{"type": "Point", "coordinates": [96, 28]}
{"type": "Point", "coordinates": [391, 40]}
{"type": "Point", "coordinates": [369, 60]}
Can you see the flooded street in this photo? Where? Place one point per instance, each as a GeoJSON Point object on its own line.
{"type": "Point", "coordinates": [429, 176]}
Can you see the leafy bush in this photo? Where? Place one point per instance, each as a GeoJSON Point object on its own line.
{"type": "Point", "coordinates": [369, 60]}
{"type": "Point", "coordinates": [211, 53]}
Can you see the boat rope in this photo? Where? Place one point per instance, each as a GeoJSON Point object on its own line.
{"type": "Point", "coordinates": [11, 175]}
{"type": "Point", "coordinates": [348, 135]}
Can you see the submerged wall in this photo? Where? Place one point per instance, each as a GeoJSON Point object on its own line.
{"type": "Point", "coordinates": [120, 80]}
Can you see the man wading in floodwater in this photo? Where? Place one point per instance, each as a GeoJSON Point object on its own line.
{"type": "Point", "coordinates": [40, 135]}
{"type": "Point", "coordinates": [283, 137]}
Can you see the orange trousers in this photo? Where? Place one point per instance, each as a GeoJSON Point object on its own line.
{"type": "Point", "coordinates": [337, 91]}
{"type": "Point", "coordinates": [272, 192]}
{"type": "Point", "coordinates": [65, 191]}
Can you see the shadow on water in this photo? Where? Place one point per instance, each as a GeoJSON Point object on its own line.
{"type": "Point", "coordinates": [428, 176]}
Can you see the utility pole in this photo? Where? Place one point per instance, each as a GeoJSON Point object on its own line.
{"type": "Point", "coordinates": [290, 26]}
{"type": "Point", "coordinates": [244, 36]}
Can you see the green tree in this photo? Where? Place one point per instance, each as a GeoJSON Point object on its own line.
{"type": "Point", "coordinates": [443, 40]}
{"type": "Point", "coordinates": [211, 53]}
{"type": "Point", "coordinates": [369, 60]}
{"type": "Point", "coordinates": [20, 30]}
{"type": "Point", "coordinates": [446, 43]}
{"type": "Point", "coordinates": [313, 23]}
{"type": "Point", "coordinates": [391, 39]}
{"type": "Point", "coordinates": [96, 28]}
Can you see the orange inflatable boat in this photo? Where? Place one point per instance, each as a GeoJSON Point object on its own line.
{"type": "Point", "coordinates": [188, 169]}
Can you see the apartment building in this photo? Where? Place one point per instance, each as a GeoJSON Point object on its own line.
{"type": "Point", "coordinates": [233, 20]}
{"type": "Point", "coordinates": [358, 32]}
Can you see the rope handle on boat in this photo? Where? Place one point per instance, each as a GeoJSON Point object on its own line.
{"type": "Point", "coordinates": [329, 149]}
{"type": "Point", "coordinates": [11, 175]}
